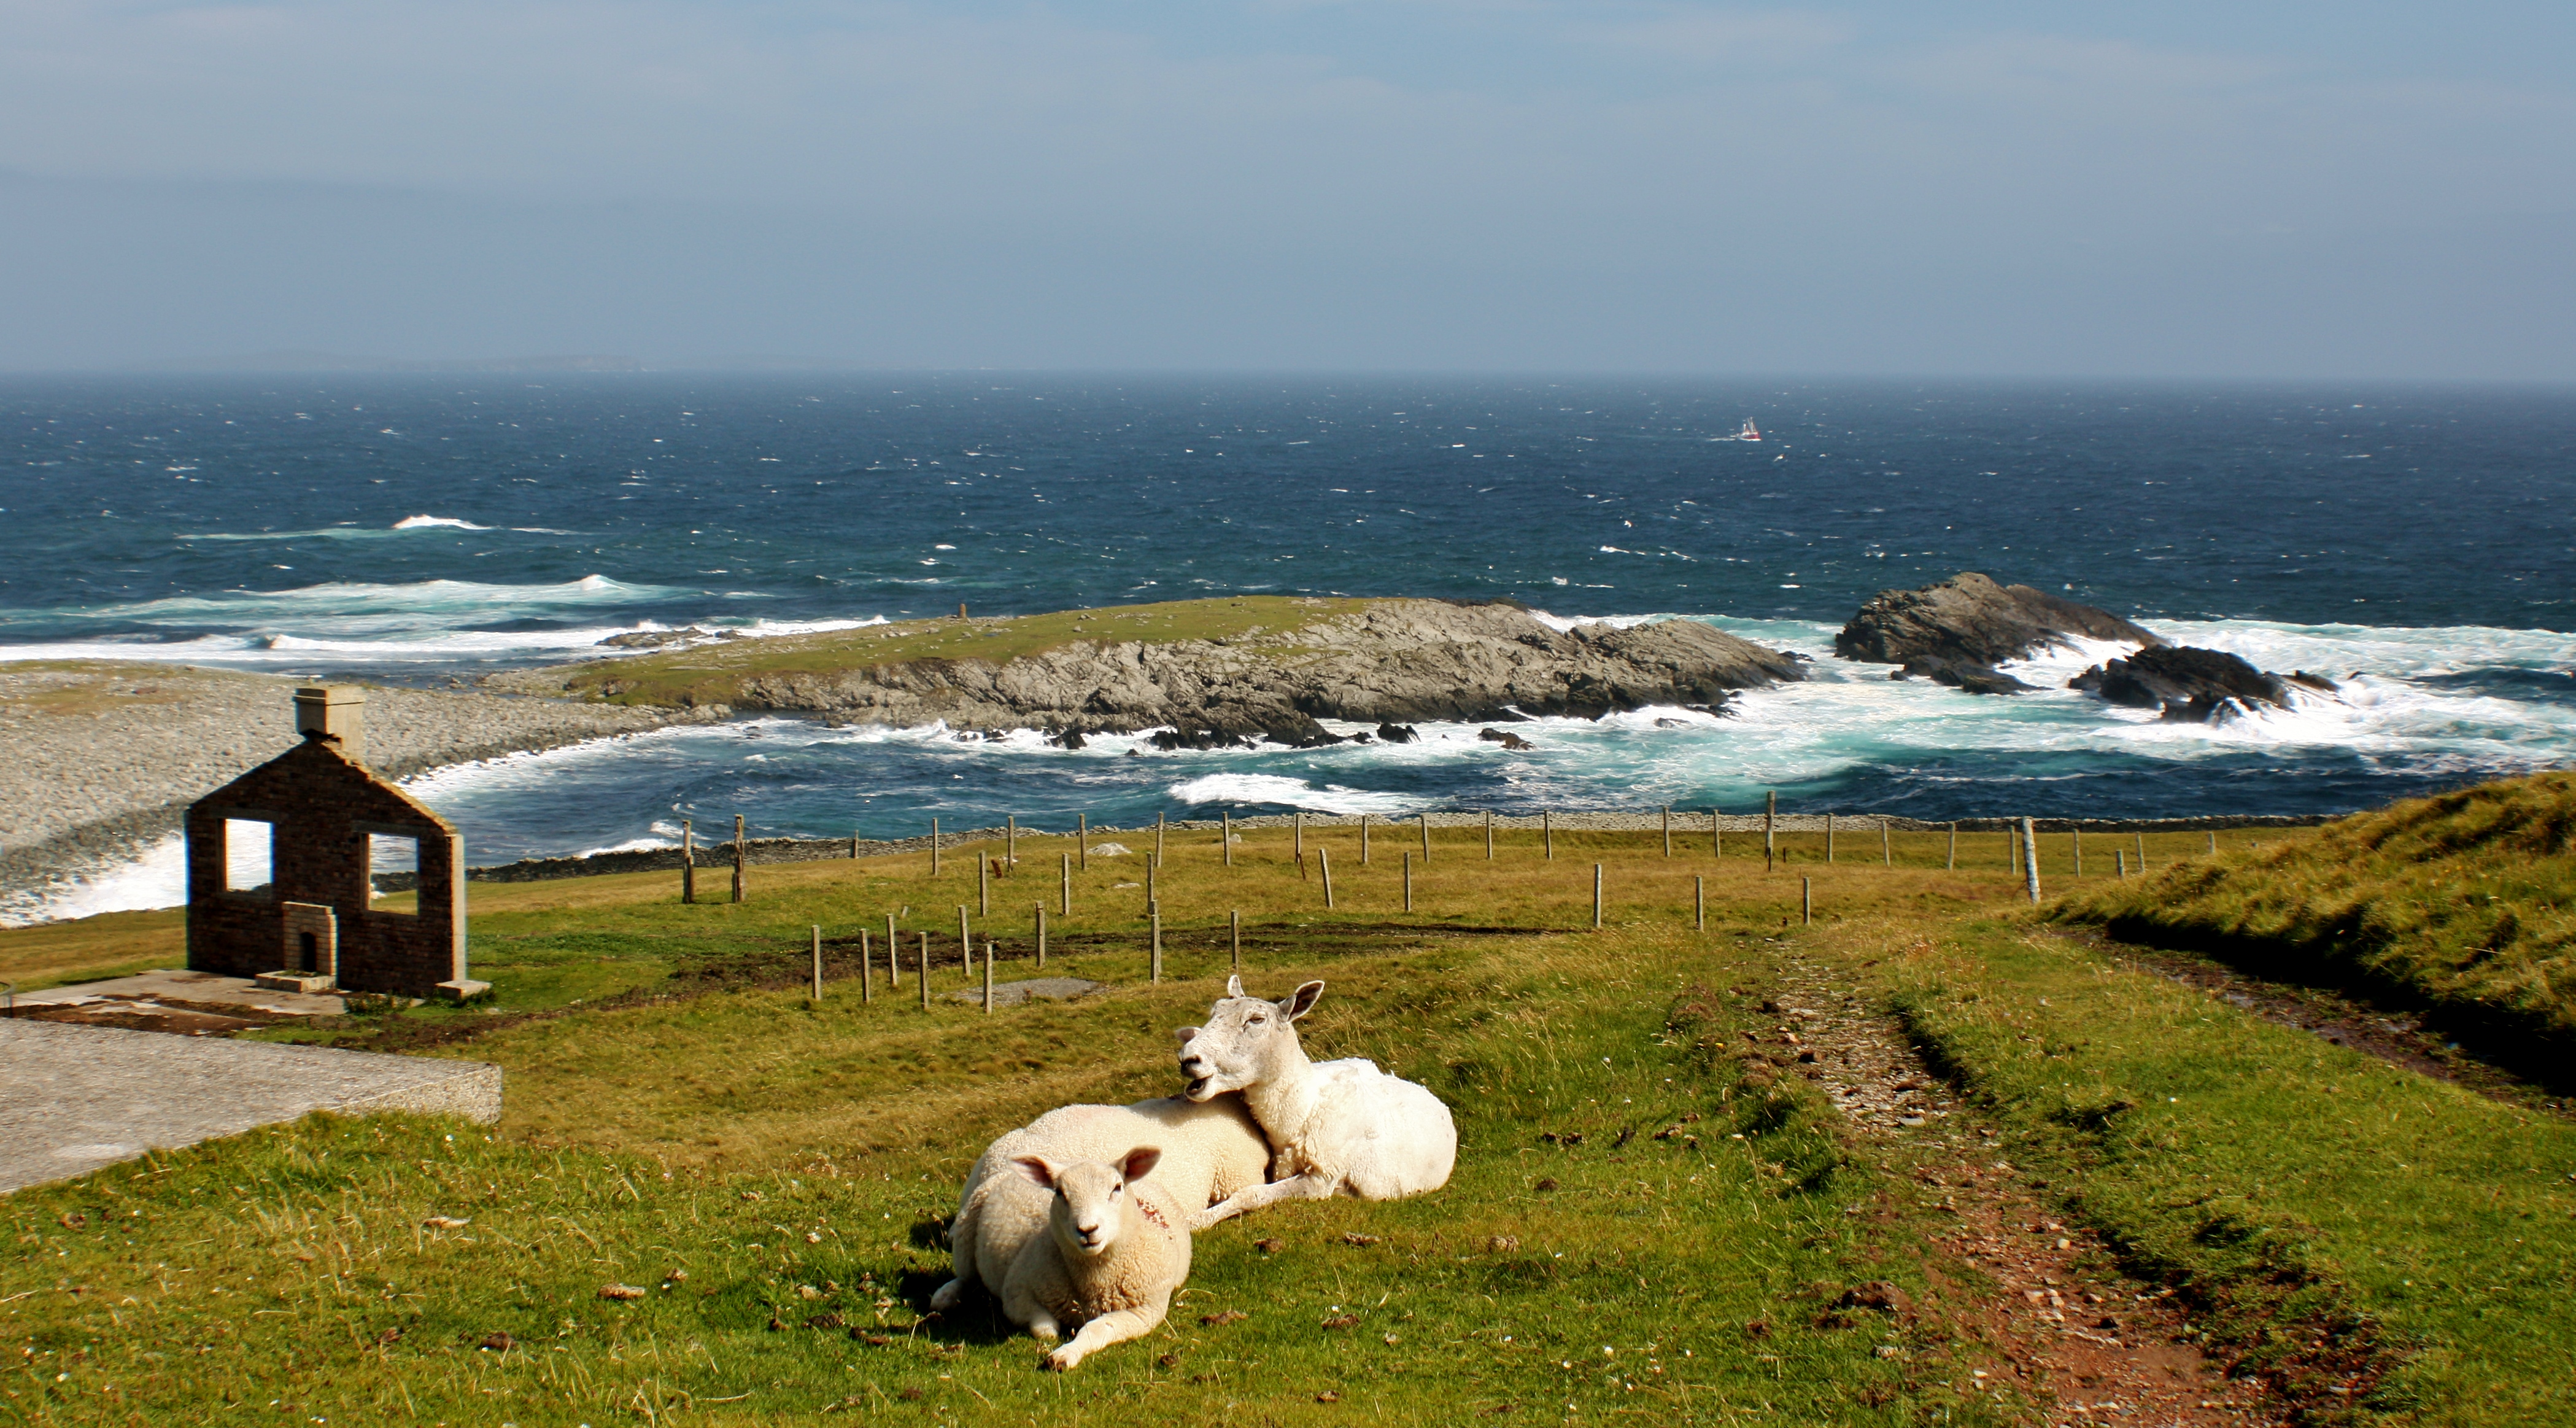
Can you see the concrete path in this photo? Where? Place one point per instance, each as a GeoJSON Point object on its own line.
{"type": "Point", "coordinates": [1011, 994]}
{"type": "Point", "coordinates": [74, 1098]}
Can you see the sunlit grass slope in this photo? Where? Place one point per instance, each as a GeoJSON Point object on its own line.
{"type": "Point", "coordinates": [2465, 903]}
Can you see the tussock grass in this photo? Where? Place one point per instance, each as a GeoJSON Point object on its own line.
{"type": "Point", "coordinates": [2464, 904]}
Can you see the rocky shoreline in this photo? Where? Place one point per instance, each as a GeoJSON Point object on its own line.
{"type": "Point", "coordinates": [1387, 662]}
{"type": "Point", "coordinates": [106, 757]}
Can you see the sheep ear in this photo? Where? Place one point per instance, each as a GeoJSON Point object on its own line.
{"type": "Point", "coordinates": [1037, 1170]}
{"type": "Point", "coordinates": [1140, 1162]}
{"type": "Point", "coordinates": [1302, 1000]}
{"type": "Point", "coordinates": [1234, 986]}
{"type": "Point", "coordinates": [1186, 1033]}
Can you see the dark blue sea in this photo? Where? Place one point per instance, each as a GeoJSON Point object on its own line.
{"type": "Point", "coordinates": [2417, 544]}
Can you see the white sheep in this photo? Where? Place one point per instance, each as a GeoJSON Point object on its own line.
{"type": "Point", "coordinates": [1211, 1152]}
{"type": "Point", "coordinates": [1116, 1247]}
{"type": "Point", "coordinates": [1335, 1127]}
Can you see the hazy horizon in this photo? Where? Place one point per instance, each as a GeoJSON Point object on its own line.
{"type": "Point", "coordinates": [2005, 190]}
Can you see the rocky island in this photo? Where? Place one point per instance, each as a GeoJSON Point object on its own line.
{"type": "Point", "coordinates": [1956, 632]}
{"type": "Point", "coordinates": [1211, 671]}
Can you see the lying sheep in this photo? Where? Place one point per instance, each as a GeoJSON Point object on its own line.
{"type": "Point", "coordinates": [1336, 1127]}
{"type": "Point", "coordinates": [1211, 1152]}
{"type": "Point", "coordinates": [1116, 1247]}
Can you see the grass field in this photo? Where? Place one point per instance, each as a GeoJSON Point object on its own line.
{"type": "Point", "coordinates": [772, 1172]}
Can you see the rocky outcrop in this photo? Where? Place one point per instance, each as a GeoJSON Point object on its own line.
{"type": "Point", "coordinates": [2191, 684]}
{"type": "Point", "coordinates": [1392, 662]}
{"type": "Point", "coordinates": [1957, 631]}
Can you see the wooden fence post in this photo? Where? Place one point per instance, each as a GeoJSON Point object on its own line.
{"type": "Point", "coordinates": [1547, 830]}
{"type": "Point", "coordinates": [854, 844]}
{"type": "Point", "coordinates": [1770, 818]}
{"type": "Point", "coordinates": [988, 978]}
{"type": "Point", "coordinates": [934, 847]}
{"type": "Point", "coordinates": [1158, 837]}
{"type": "Point", "coordinates": [2030, 858]}
{"type": "Point", "coordinates": [1364, 840]}
{"type": "Point", "coordinates": [965, 941]}
{"type": "Point", "coordinates": [2120, 863]}
{"type": "Point", "coordinates": [1408, 882]}
{"type": "Point", "coordinates": [688, 861]}
{"type": "Point", "coordinates": [1489, 835]}
{"type": "Point", "coordinates": [737, 857]}
{"type": "Point", "coordinates": [2142, 855]}
{"type": "Point", "coordinates": [1886, 850]}
{"type": "Point", "coordinates": [1716, 834]}
{"type": "Point", "coordinates": [2213, 844]}
{"type": "Point", "coordinates": [1237, 919]}
{"type": "Point", "coordinates": [1156, 971]}
{"type": "Point", "coordinates": [2077, 834]}
{"type": "Point", "coordinates": [1010, 844]}
{"type": "Point", "coordinates": [867, 970]}
{"type": "Point", "coordinates": [1040, 909]}
{"type": "Point", "coordinates": [1806, 901]}
{"type": "Point", "coordinates": [1297, 826]}
{"type": "Point", "coordinates": [894, 957]}
{"type": "Point", "coordinates": [1596, 897]}
{"type": "Point", "coordinates": [1699, 904]}
{"type": "Point", "coordinates": [1082, 839]}
{"type": "Point", "coordinates": [1953, 864]}
{"type": "Point", "coordinates": [1225, 834]}
{"type": "Point", "coordinates": [1426, 838]}
{"type": "Point", "coordinates": [983, 886]}
{"type": "Point", "coordinates": [818, 962]}
{"type": "Point", "coordinates": [1668, 830]}
{"type": "Point", "coordinates": [921, 972]}
{"type": "Point", "coordinates": [1829, 838]}
{"type": "Point", "coordinates": [1324, 864]}
{"type": "Point", "coordinates": [1064, 887]}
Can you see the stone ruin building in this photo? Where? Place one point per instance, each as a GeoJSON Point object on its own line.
{"type": "Point", "coordinates": [304, 918]}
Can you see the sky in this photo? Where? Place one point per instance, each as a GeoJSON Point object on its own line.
{"type": "Point", "coordinates": [2291, 190]}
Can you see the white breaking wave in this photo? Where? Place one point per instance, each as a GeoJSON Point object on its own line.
{"type": "Point", "coordinates": [414, 523]}
{"type": "Point", "coordinates": [1239, 789]}
{"type": "Point", "coordinates": [158, 878]}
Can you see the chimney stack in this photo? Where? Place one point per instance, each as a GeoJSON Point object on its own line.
{"type": "Point", "coordinates": [337, 712]}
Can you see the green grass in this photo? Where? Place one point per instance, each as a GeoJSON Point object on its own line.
{"type": "Point", "coordinates": [2337, 1221]}
{"type": "Point", "coordinates": [722, 673]}
{"type": "Point", "coordinates": [663, 1063]}
{"type": "Point", "coordinates": [1677, 1281]}
{"type": "Point", "coordinates": [2464, 904]}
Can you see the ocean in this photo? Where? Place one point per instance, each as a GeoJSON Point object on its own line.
{"type": "Point", "coordinates": [2416, 544]}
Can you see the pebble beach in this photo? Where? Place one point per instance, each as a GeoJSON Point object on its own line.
{"type": "Point", "coordinates": [106, 757]}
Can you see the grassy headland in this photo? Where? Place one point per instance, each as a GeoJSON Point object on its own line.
{"type": "Point", "coordinates": [716, 673]}
{"type": "Point", "coordinates": [674, 1104]}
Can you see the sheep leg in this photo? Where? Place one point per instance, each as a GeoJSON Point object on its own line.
{"type": "Point", "coordinates": [1309, 1186]}
{"type": "Point", "coordinates": [1116, 1327]}
{"type": "Point", "coordinates": [962, 1236]}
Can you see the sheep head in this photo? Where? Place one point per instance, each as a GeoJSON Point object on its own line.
{"type": "Point", "coordinates": [1244, 1040]}
{"type": "Point", "coordinates": [1091, 1196]}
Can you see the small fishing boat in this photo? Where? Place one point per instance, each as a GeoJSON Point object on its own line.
{"type": "Point", "coordinates": [1750, 432]}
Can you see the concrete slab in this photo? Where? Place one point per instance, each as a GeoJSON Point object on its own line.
{"type": "Point", "coordinates": [1011, 994]}
{"type": "Point", "coordinates": [75, 1098]}
{"type": "Point", "coordinates": [202, 988]}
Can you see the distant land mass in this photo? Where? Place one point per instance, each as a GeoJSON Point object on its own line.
{"type": "Point", "coordinates": [344, 362]}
